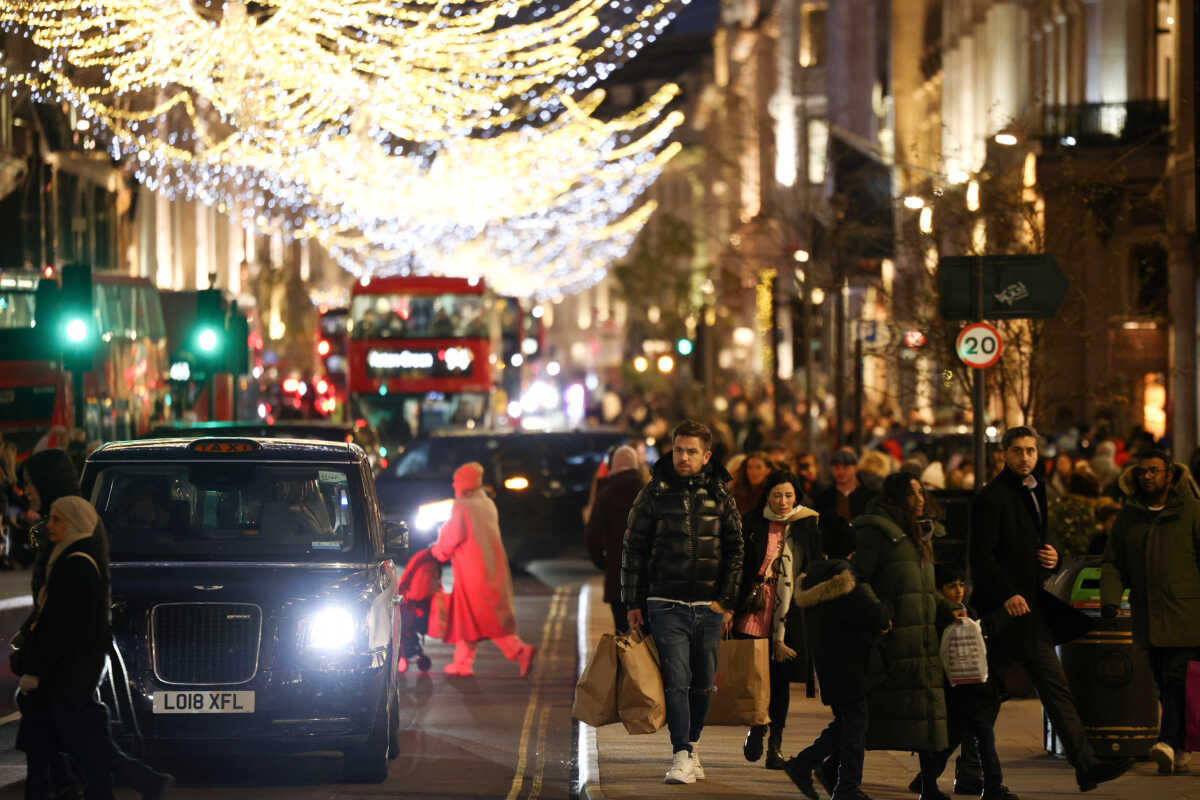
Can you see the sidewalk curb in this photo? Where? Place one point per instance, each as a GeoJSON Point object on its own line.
{"type": "Point", "coordinates": [588, 756]}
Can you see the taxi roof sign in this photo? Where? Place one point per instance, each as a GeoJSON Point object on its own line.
{"type": "Point", "coordinates": [224, 446]}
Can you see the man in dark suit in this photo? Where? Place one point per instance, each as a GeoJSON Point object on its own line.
{"type": "Point", "coordinates": [1010, 559]}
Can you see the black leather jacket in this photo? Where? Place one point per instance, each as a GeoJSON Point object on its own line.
{"type": "Point", "coordinates": [683, 540]}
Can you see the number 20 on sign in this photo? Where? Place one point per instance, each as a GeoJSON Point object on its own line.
{"type": "Point", "coordinates": [978, 345]}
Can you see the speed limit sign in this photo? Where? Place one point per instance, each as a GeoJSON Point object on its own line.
{"type": "Point", "coordinates": [978, 345]}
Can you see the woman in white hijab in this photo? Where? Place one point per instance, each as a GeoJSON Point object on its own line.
{"type": "Point", "coordinates": [66, 650]}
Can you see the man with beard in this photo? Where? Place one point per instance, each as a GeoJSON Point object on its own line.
{"type": "Point", "coordinates": [681, 561]}
{"type": "Point", "coordinates": [1154, 550]}
{"type": "Point", "coordinates": [1010, 560]}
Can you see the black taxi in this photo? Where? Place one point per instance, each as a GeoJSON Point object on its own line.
{"type": "Point", "coordinates": [253, 592]}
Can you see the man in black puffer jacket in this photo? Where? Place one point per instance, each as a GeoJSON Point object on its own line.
{"type": "Point", "coordinates": [682, 562]}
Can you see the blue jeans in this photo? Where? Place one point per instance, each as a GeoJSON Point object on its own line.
{"type": "Point", "coordinates": [687, 638]}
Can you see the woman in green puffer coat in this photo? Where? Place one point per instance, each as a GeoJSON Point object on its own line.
{"type": "Point", "coordinates": [907, 707]}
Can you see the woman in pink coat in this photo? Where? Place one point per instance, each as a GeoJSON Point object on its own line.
{"type": "Point", "coordinates": [481, 604]}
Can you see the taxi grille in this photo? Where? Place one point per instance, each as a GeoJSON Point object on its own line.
{"type": "Point", "coordinates": [206, 643]}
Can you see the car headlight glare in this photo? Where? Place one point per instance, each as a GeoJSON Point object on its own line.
{"type": "Point", "coordinates": [330, 629]}
{"type": "Point", "coordinates": [431, 515]}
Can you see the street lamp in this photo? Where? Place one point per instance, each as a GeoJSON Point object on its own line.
{"type": "Point", "coordinates": [640, 364]}
{"type": "Point", "coordinates": [665, 363]}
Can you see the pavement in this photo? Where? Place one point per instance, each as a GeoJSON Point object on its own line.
{"type": "Point", "coordinates": [617, 766]}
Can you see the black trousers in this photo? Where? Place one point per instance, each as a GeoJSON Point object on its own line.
{"type": "Point", "coordinates": [1035, 651]}
{"type": "Point", "coordinates": [1169, 665]}
{"type": "Point", "coordinates": [845, 738]}
{"type": "Point", "coordinates": [975, 726]}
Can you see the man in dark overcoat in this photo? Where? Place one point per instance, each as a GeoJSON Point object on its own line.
{"type": "Point", "coordinates": [1010, 560]}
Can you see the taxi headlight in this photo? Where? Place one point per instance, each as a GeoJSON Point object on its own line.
{"type": "Point", "coordinates": [329, 629]}
{"type": "Point", "coordinates": [430, 515]}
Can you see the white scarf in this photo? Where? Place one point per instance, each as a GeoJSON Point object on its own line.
{"type": "Point", "coordinates": [796, 514]}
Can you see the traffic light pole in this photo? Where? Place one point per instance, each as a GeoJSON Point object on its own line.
{"type": "Point", "coordinates": [77, 393]}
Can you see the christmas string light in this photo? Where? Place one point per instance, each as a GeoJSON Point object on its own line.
{"type": "Point", "coordinates": [364, 125]}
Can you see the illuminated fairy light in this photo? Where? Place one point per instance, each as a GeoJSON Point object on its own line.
{"type": "Point", "coordinates": [294, 71]}
{"type": "Point", "coordinates": [292, 116]}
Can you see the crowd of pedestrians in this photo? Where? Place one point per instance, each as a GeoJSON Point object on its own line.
{"type": "Point", "coordinates": [844, 580]}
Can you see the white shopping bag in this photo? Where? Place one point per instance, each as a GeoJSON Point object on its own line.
{"type": "Point", "coordinates": [964, 654]}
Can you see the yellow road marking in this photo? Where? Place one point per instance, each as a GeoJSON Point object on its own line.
{"type": "Point", "coordinates": [535, 788]}
{"type": "Point", "coordinates": [551, 630]}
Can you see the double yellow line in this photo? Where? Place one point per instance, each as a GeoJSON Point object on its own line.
{"type": "Point", "coordinates": [548, 656]}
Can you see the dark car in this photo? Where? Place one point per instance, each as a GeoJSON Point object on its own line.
{"type": "Point", "coordinates": [359, 432]}
{"type": "Point", "coordinates": [540, 482]}
{"type": "Point", "coordinates": [253, 585]}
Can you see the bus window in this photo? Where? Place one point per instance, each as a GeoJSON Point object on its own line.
{"type": "Point", "coordinates": [418, 316]}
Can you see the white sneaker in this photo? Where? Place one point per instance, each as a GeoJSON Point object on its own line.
{"type": "Point", "coordinates": [682, 769]}
{"type": "Point", "coordinates": [1182, 759]}
{"type": "Point", "coordinates": [697, 767]}
{"type": "Point", "coordinates": [1163, 755]}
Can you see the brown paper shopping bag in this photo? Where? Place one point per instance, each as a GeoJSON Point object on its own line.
{"type": "Point", "coordinates": [596, 692]}
{"type": "Point", "coordinates": [641, 703]}
{"type": "Point", "coordinates": [743, 683]}
{"type": "Point", "coordinates": [439, 606]}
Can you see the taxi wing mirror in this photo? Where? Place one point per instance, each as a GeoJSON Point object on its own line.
{"type": "Point", "coordinates": [396, 539]}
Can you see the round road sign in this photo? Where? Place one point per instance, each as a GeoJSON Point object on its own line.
{"type": "Point", "coordinates": [978, 345]}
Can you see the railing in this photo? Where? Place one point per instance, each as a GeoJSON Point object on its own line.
{"type": "Point", "coordinates": [1104, 123]}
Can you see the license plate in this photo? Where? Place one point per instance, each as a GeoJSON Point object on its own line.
{"type": "Point", "coordinates": [203, 702]}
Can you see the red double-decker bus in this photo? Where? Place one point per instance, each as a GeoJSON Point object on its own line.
{"type": "Point", "coordinates": [419, 355]}
{"type": "Point", "coordinates": [125, 386]}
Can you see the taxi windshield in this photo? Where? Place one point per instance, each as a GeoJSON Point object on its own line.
{"type": "Point", "coordinates": [229, 512]}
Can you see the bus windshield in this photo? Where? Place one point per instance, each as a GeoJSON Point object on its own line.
{"type": "Point", "coordinates": [418, 316]}
{"type": "Point", "coordinates": [16, 307]}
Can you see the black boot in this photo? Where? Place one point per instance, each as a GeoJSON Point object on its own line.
{"type": "Point", "coordinates": [997, 792]}
{"type": "Point", "coordinates": [1098, 771]}
{"type": "Point", "coordinates": [968, 772]}
{"type": "Point", "coordinates": [802, 777]}
{"type": "Point", "coordinates": [775, 759]}
{"type": "Point", "coordinates": [753, 748]}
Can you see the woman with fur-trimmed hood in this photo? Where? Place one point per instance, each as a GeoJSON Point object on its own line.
{"type": "Point", "coordinates": [844, 618]}
{"type": "Point", "coordinates": [780, 538]}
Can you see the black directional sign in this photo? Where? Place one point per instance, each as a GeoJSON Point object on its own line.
{"type": "Point", "coordinates": [1014, 287]}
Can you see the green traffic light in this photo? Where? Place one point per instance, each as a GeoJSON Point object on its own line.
{"type": "Point", "coordinates": [207, 340]}
{"type": "Point", "coordinates": [76, 330]}
{"type": "Point", "coordinates": [684, 346]}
